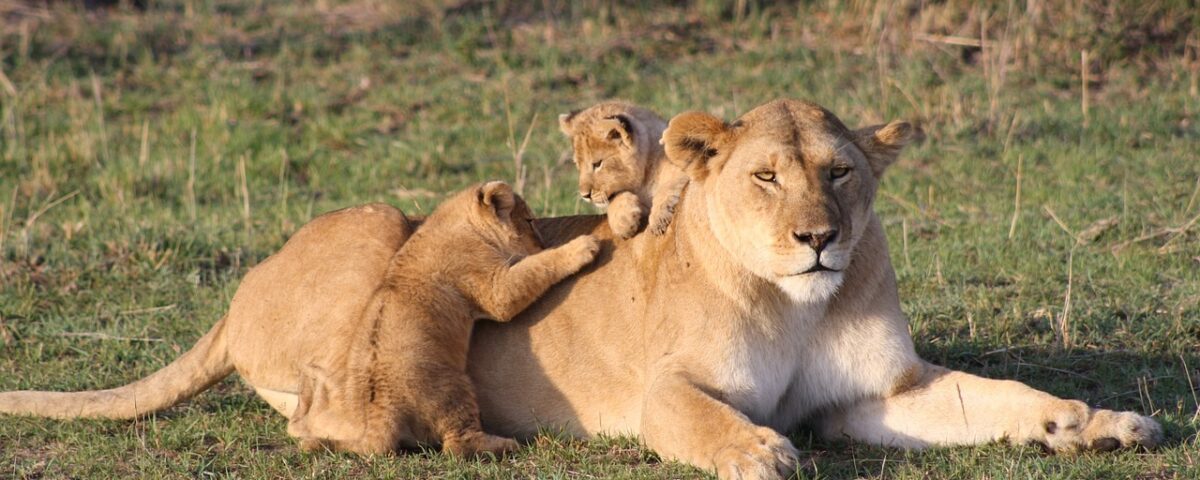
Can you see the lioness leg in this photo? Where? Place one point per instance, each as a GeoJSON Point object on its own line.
{"type": "Point", "coordinates": [319, 421]}
{"type": "Point", "coordinates": [945, 407]}
{"type": "Point", "coordinates": [680, 421]}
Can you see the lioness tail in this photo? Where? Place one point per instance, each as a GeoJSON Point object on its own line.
{"type": "Point", "coordinates": [203, 365]}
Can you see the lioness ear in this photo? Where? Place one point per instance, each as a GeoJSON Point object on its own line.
{"type": "Point", "coordinates": [882, 143]}
{"type": "Point", "coordinates": [617, 128]}
{"type": "Point", "coordinates": [566, 122]}
{"type": "Point", "coordinates": [499, 198]}
{"type": "Point", "coordinates": [692, 139]}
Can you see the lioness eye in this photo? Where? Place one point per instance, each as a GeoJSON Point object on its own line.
{"type": "Point", "coordinates": [838, 172]}
{"type": "Point", "coordinates": [765, 176]}
{"type": "Point", "coordinates": [596, 164]}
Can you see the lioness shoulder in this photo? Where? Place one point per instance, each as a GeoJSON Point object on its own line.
{"type": "Point", "coordinates": [622, 165]}
{"type": "Point", "coordinates": [403, 380]}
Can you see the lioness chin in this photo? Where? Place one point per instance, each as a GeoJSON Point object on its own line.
{"type": "Point", "coordinates": [769, 301]}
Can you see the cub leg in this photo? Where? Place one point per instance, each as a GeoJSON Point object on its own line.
{"type": "Point", "coordinates": [666, 199]}
{"type": "Point", "coordinates": [681, 421]}
{"type": "Point", "coordinates": [625, 214]}
{"type": "Point", "coordinates": [516, 287]}
{"type": "Point", "coordinates": [450, 407]}
{"type": "Point", "coordinates": [945, 407]}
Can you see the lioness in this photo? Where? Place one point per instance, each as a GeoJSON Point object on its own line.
{"type": "Point", "coordinates": [622, 165]}
{"type": "Point", "coordinates": [706, 342]}
{"type": "Point", "coordinates": [403, 378]}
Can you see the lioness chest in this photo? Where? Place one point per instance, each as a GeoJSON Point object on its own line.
{"type": "Point", "coordinates": [776, 377]}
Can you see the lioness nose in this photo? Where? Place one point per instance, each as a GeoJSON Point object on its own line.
{"type": "Point", "coordinates": [816, 240]}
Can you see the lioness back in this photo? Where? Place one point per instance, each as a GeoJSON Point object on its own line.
{"type": "Point", "coordinates": [403, 380]}
{"type": "Point", "coordinates": [622, 165]}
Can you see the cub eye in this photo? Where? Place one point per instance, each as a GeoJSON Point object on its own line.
{"type": "Point", "coordinates": [596, 164]}
{"type": "Point", "coordinates": [765, 176]}
{"type": "Point", "coordinates": [838, 172]}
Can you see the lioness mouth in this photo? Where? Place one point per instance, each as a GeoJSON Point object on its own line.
{"type": "Point", "coordinates": [818, 268]}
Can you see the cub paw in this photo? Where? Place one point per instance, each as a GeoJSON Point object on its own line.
{"type": "Point", "coordinates": [583, 250]}
{"type": "Point", "coordinates": [765, 455]}
{"type": "Point", "coordinates": [312, 445]}
{"type": "Point", "coordinates": [478, 443]}
{"type": "Point", "coordinates": [1074, 427]}
{"type": "Point", "coordinates": [661, 217]}
{"type": "Point", "coordinates": [625, 215]}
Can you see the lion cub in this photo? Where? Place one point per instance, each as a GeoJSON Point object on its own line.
{"type": "Point", "coordinates": [623, 166]}
{"type": "Point", "coordinates": [402, 381]}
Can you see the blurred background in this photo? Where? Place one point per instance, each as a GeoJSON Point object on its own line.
{"type": "Point", "coordinates": [151, 151]}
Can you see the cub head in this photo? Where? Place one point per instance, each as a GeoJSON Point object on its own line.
{"type": "Point", "coordinates": [788, 189]}
{"type": "Point", "coordinates": [502, 218]}
{"type": "Point", "coordinates": [614, 143]}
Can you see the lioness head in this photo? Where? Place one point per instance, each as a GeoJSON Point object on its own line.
{"type": "Point", "coordinates": [613, 143]}
{"type": "Point", "coordinates": [496, 213]}
{"type": "Point", "coordinates": [788, 188]}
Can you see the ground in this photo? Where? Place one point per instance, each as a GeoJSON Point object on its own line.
{"type": "Point", "coordinates": [1045, 228]}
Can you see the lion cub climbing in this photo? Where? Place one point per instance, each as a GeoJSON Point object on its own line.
{"type": "Point", "coordinates": [622, 165]}
{"type": "Point", "coordinates": [402, 381]}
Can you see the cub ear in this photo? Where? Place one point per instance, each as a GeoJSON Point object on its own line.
{"type": "Point", "coordinates": [617, 128]}
{"type": "Point", "coordinates": [498, 198]}
{"type": "Point", "coordinates": [566, 122]}
{"type": "Point", "coordinates": [882, 143]}
{"type": "Point", "coordinates": [692, 139]}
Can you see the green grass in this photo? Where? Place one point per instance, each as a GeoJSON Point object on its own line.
{"type": "Point", "coordinates": [128, 142]}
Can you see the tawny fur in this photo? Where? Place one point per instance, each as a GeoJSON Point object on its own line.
{"type": "Point", "coordinates": [403, 380]}
{"type": "Point", "coordinates": [706, 342]}
{"type": "Point", "coordinates": [622, 165]}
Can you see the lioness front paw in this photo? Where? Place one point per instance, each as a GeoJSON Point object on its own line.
{"type": "Point", "coordinates": [625, 215]}
{"type": "Point", "coordinates": [582, 251]}
{"type": "Point", "coordinates": [1073, 426]}
{"type": "Point", "coordinates": [1109, 430]}
{"type": "Point", "coordinates": [765, 455]}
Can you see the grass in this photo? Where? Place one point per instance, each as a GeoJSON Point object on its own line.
{"type": "Point", "coordinates": [148, 159]}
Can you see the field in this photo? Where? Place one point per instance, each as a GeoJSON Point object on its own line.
{"type": "Point", "coordinates": [1046, 228]}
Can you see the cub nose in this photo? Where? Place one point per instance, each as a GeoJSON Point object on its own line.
{"type": "Point", "coordinates": [817, 240]}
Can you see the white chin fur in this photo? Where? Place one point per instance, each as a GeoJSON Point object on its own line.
{"type": "Point", "coordinates": [814, 287]}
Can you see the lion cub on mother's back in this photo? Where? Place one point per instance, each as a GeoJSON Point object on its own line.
{"type": "Point", "coordinates": [402, 381]}
{"type": "Point", "coordinates": [623, 166]}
